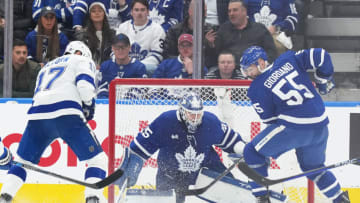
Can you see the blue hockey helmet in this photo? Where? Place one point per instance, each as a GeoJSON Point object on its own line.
{"type": "Point", "coordinates": [251, 56]}
{"type": "Point", "coordinates": [191, 111]}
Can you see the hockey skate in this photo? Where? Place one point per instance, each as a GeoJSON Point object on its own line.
{"type": "Point", "coordinates": [5, 198]}
{"type": "Point", "coordinates": [263, 199]}
{"type": "Point", "coordinates": [92, 199]}
{"type": "Point", "coordinates": [344, 198]}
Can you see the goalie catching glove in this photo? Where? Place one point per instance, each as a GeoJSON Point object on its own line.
{"type": "Point", "coordinates": [323, 83]}
{"type": "Point", "coordinates": [131, 166]}
{"type": "Point", "coordinates": [89, 109]}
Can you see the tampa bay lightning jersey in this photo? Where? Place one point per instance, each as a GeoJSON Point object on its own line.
{"type": "Point", "coordinates": [62, 85]}
{"type": "Point", "coordinates": [163, 12]}
{"type": "Point", "coordinates": [284, 93]}
{"type": "Point", "coordinates": [273, 12]}
{"type": "Point", "coordinates": [180, 151]}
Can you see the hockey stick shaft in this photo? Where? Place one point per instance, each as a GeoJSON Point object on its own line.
{"type": "Point", "coordinates": [252, 174]}
{"type": "Point", "coordinates": [203, 189]}
{"type": "Point", "coordinates": [98, 185]}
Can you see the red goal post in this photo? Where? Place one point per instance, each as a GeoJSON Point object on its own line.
{"type": "Point", "coordinates": [141, 100]}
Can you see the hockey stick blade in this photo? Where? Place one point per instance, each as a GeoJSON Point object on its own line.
{"type": "Point", "coordinates": [252, 174]}
{"type": "Point", "coordinates": [199, 191]}
{"type": "Point", "coordinates": [98, 185]}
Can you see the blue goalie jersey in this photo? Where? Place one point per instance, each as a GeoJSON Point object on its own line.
{"type": "Point", "coordinates": [181, 154]}
{"type": "Point", "coordinates": [284, 93]}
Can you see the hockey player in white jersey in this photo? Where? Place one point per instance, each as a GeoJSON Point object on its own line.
{"type": "Point", "coordinates": [185, 140]}
{"type": "Point", "coordinates": [284, 97]}
{"type": "Point", "coordinates": [63, 100]}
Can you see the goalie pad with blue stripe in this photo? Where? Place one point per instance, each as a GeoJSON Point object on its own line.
{"type": "Point", "coordinates": [230, 190]}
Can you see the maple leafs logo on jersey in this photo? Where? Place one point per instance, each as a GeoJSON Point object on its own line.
{"type": "Point", "coordinates": [136, 52]}
{"type": "Point", "coordinates": [156, 17]}
{"type": "Point", "coordinates": [265, 16]}
{"type": "Point", "coordinates": [189, 162]}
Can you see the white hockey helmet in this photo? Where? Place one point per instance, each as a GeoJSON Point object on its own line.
{"type": "Point", "coordinates": [80, 46]}
{"type": "Point", "coordinates": [191, 111]}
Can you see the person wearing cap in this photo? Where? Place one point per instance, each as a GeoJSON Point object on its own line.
{"type": "Point", "coordinates": [120, 66]}
{"type": "Point", "coordinates": [146, 37]}
{"type": "Point", "coordinates": [181, 66]}
{"type": "Point", "coordinates": [97, 33]}
{"type": "Point", "coordinates": [63, 11]}
{"type": "Point", "coordinates": [46, 41]}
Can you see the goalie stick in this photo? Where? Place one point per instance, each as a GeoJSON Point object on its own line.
{"type": "Point", "coordinates": [203, 189]}
{"type": "Point", "coordinates": [252, 174]}
{"type": "Point", "coordinates": [98, 185]}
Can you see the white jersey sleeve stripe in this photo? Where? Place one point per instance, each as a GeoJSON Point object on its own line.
{"type": "Point", "coordinates": [322, 57]}
{"type": "Point", "coordinates": [268, 137]}
{"type": "Point", "coordinates": [231, 142]}
{"type": "Point", "coordinates": [226, 137]}
{"type": "Point", "coordinates": [312, 58]}
{"type": "Point", "coordinates": [142, 148]}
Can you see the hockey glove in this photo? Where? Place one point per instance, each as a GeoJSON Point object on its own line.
{"type": "Point", "coordinates": [5, 159]}
{"type": "Point", "coordinates": [131, 168]}
{"type": "Point", "coordinates": [89, 110]}
{"type": "Point", "coordinates": [324, 84]}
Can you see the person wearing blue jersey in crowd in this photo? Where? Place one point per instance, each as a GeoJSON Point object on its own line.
{"type": "Point", "coordinates": [63, 101]}
{"type": "Point", "coordinates": [46, 41]}
{"type": "Point", "coordinates": [185, 138]}
{"type": "Point", "coordinates": [120, 66]}
{"type": "Point", "coordinates": [63, 11]}
{"type": "Point", "coordinates": [163, 12]}
{"type": "Point", "coordinates": [280, 17]}
{"type": "Point", "coordinates": [181, 66]}
{"type": "Point", "coordinates": [284, 97]}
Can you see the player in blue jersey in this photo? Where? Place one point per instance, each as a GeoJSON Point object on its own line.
{"type": "Point", "coordinates": [185, 138]}
{"type": "Point", "coordinates": [63, 101]}
{"type": "Point", "coordinates": [285, 99]}
{"type": "Point", "coordinates": [120, 66]}
{"type": "Point", "coordinates": [5, 157]}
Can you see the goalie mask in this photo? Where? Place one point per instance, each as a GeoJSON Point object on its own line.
{"type": "Point", "coordinates": [250, 57]}
{"type": "Point", "coordinates": [191, 111]}
{"type": "Point", "coordinates": [76, 46]}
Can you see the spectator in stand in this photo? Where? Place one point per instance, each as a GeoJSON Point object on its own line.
{"type": "Point", "coordinates": [146, 38]}
{"type": "Point", "coordinates": [46, 42]}
{"type": "Point", "coordinates": [280, 17]}
{"type": "Point", "coordinates": [97, 33]}
{"type": "Point", "coordinates": [226, 68]}
{"type": "Point", "coordinates": [24, 71]}
{"type": "Point", "coordinates": [171, 46]}
{"type": "Point", "coordinates": [238, 34]}
{"type": "Point", "coordinates": [181, 66]}
{"type": "Point", "coordinates": [167, 13]}
{"type": "Point", "coordinates": [121, 66]}
{"type": "Point", "coordinates": [63, 10]}
{"type": "Point", "coordinates": [21, 19]}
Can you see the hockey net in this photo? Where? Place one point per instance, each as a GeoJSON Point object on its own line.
{"type": "Point", "coordinates": [135, 103]}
